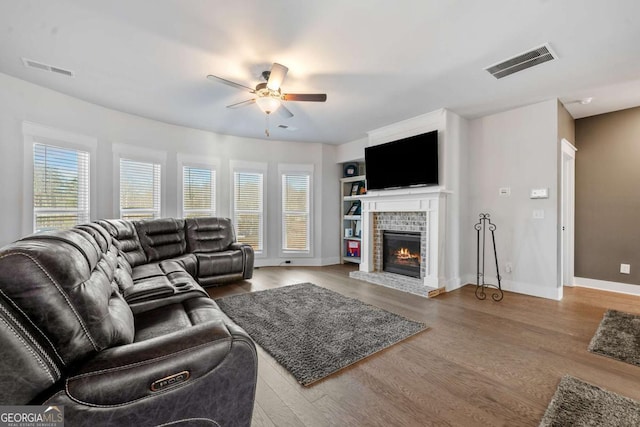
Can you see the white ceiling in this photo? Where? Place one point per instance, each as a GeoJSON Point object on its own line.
{"type": "Point", "coordinates": [379, 61]}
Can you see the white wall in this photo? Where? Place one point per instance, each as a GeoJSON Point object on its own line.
{"type": "Point", "coordinates": [457, 180]}
{"type": "Point", "coordinates": [517, 149]}
{"type": "Point", "coordinates": [352, 151]}
{"type": "Point", "coordinates": [23, 101]}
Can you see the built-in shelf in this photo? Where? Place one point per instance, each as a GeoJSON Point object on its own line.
{"type": "Point", "coordinates": [351, 223]}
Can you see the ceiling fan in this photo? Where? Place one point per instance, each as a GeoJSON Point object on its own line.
{"type": "Point", "coordinates": [269, 95]}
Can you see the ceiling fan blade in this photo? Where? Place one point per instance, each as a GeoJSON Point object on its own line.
{"type": "Point", "coordinates": [313, 97]}
{"type": "Point", "coordinates": [284, 112]}
{"type": "Point", "coordinates": [229, 82]}
{"type": "Point", "coordinates": [276, 76]}
{"type": "Point", "coordinates": [242, 104]}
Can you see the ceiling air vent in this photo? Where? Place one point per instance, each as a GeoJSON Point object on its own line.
{"type": "Point", "coordinates": [30, 63]}
{"type": "Point", "coordinates": [523, 61]}
{"type": "Point", "coordinates": [289, 128]}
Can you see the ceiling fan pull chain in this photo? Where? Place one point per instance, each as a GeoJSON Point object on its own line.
{"type": "Point", "coordinates": [266, 131]}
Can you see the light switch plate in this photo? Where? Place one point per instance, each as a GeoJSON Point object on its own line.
{"type": "Point", "coordinates": [539, 193]}
{"type": "Point", "coordinates": [504, 191]}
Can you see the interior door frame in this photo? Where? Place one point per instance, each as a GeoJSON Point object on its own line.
{"type": "Point", "coordinates": [567, 213]}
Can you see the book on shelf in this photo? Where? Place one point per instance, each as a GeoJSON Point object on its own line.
{"type": "Point", "coordinates": [353, 248]}
{"type": "Point", "coordinates": [358, 188]}
{"type": "Point", "coordinates": [354, 209]}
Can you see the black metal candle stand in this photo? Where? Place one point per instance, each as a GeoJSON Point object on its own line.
{"type": "Point", "coordinates": [481, 228]}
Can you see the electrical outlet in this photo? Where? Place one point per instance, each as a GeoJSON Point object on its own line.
{"type": "Point", "coordinates": [508, 267]}
{"type": "Point", "coordinates": [625, 268]}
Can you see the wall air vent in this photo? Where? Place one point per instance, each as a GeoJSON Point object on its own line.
{"type": "Point", "coordinates": [30, 63]}
{"type": "Point", "coordinates": [522, 61]}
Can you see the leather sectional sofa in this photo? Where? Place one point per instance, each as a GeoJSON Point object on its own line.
{"type": "Point", "coordinates": [110, 320]}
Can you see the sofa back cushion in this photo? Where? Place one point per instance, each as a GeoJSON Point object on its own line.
{"type": "Point", "coordinates": [210, 234]}
{"type": "Point", "coordinates": [63, 282]}
{"type": "Point", "coordinates": [161, 238]}
{"type": "Point", "coordinates": [126, 239]}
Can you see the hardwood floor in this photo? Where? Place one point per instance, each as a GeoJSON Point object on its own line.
{"type": "Point", "coordinates": [481, 363]}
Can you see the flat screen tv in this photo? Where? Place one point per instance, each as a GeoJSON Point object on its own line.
{"type": "Point", "coordinates": [407, 162]}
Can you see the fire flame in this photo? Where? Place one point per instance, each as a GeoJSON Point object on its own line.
{"type": "Point", "coordinates": [404, 254]}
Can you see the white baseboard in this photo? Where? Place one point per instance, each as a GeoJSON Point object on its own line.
{"type": "Point", "coordinates": [605, 285]}
{"type": "Point", "coordinates": [533, 290]}
{"type": "Point", "coordinates": [297, 262]}
{"type": "Point", "coordinates": [520, 287]}
{"type": "Point", "coordinates": [454, 283]}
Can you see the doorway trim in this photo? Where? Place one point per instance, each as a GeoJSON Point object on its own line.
{"type": "Point", "coordinates": [567, 214]}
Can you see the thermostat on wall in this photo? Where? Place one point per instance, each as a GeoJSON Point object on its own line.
{"type": "Point", "coordinates": [539, 193]}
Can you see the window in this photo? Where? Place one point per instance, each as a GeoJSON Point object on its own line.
{"type": "Point", "coordinates": [248, 208]}
{"type": "Point", "coordinates": [295, 212]}
{"type": "Point", "coordinates": [59, 182]}
{"type": "Point", "coordinates": [60, 187]}
{"type": "Point", "coordinates": [139, 190]}
{"type": "Point", "coordinates": [198, 192]}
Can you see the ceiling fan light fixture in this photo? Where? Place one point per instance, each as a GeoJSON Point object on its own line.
{"type": "Point", "coordinates": [268, 104]}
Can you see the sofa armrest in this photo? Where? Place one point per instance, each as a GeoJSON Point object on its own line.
{"type": "Point", "coordinates": [247, 256]}
{"type": "Point", "coordinates": [149, 289]}
{"type": "Point", "coordinates": [135, 371]}
{"type": "Point", "coordinates": [240, 246]}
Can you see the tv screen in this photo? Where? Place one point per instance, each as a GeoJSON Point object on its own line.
{"type": "Point", "coordinates": [407, 162]}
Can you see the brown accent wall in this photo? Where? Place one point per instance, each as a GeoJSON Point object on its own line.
{"type": "Point", "coordinates": [608, 196]}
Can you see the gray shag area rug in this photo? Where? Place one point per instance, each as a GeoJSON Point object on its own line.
{"type": "Point", "coordinates": [577, 403]}
{"type": "Point", "coordinates": [314, 332]}
{"type": "Point", "coordinates": [618, 337]}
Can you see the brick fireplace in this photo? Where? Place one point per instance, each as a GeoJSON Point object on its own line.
{"type": "Point", "coordinates": [417, 210]}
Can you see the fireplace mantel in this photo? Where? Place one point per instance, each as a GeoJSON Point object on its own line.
{"type": "Point", "coordinates": [432, 201]}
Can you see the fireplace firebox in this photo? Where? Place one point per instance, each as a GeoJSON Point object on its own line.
{"type": "Point", "coordinates": [401, 253]}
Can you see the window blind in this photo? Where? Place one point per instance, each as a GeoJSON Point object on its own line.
{"type": "Point", "coordinates": [198, 192]}
{"type": "Point", "coordinates": [248, 208]}
{"type": "Point", "coordinates": [139, 190]}
{"type": "Point", "coordinates": [60, 187]}
{"type": "Point", "coordinates": [295, 212]}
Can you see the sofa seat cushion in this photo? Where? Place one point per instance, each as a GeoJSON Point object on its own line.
{"type": "Point", "coordinates": [177, 279]}
{"type": "Point", "coordinates": [220, 263]}
{"type": "Point", "coordinates": [186, 263]}
{"type": "Point", "coordinates": [160, 284]}
{"type": "Point", "coordinates": [175, 317]}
